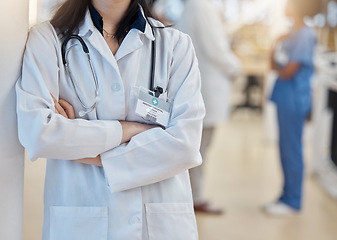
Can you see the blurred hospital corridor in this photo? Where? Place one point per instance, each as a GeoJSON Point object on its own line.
{"type": "Point", "coordinates": [242, 174]}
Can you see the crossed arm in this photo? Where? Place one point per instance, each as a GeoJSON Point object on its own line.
{"type": "Point", "coordinates": [288, 71]}
{"type": "Point", "coordinates": [130, 129]}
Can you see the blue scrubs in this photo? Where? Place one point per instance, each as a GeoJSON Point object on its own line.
{"type": "Point", "coordinates": [293, 101]}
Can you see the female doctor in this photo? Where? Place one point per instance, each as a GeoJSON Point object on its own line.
{"type": "Point", "coordinates": [111, 173]}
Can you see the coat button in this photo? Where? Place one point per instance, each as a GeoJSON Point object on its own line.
{"type": "Point", "coordinates": [116, 87]}
{"type": "Point", "coordinates": [134, 220]}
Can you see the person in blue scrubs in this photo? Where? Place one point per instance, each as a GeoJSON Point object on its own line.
{"type": "Point", "coordinates": [292, 59]}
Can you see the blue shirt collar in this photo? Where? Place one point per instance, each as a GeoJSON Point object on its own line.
{"type": "Point", "coordinates": [139, 23]}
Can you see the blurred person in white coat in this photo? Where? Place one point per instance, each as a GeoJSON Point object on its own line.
{"type": "Point", "coordinates": [168, 11]}
{"type": "Point", "coordinates": [204, 21]}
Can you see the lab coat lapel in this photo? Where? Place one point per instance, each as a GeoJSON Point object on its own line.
{"type": "Point", "coordinates": [131, 43]}
{"type": "Point", "coordinates": [99, 44]}
{"type": "Point", "coordinates": [89, 31]}
{"type": "Point", "coordinates": [134, 40]}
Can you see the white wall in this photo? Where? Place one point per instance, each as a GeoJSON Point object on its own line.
{"type": "Point", "coordinates": [13, 28]}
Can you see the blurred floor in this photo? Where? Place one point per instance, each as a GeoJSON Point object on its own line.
{"type": "Point", "coordinates": [242, 173]}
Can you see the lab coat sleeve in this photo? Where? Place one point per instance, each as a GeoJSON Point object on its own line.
{"type": "Point", "coordinates": [158, 154]}
{"type": "Point", "coordinates": [43, 132]}
{"type": "Point", "coordinates": [213, 40]}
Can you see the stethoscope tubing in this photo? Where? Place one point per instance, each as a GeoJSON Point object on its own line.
{"type": "Point", "coordinates": [66, 63]}
{"type": "Point", "coordinates": [64, 51]}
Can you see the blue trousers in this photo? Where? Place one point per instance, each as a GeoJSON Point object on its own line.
{"type": "Point", "coordinates": [291, 121]}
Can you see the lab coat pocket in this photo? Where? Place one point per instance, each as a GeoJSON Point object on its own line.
{"type": "Point", "coordinates": [78, 223]}
{"type": "Point", "coordinates": [171, 221]}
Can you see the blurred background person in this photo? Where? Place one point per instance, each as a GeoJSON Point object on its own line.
{"type": "Point", "coordinates": [168, 11]}
{"type": "Point", "coordinates": [204, 21]}
{"type": "Point", "coordinates": [292, 59]}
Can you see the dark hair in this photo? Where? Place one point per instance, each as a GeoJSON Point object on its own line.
{"type": "Point", "coordinates": [71, 14]}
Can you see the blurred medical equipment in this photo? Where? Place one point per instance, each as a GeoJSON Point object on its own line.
{"type": "Point", "coordinates": [324, 118]}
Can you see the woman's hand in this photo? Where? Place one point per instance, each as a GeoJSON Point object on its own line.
{"type": "Point", "coordinates": [64, 108]}
{"type": "Point", "coordinates": [277, 42]}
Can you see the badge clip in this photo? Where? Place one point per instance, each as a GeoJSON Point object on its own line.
{"type": "Point", "coordinates": [158, 91]}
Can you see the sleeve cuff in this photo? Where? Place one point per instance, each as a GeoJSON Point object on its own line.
{"type": "Point", "coordinates": [109, 166]}
{"type": "Point", "coordinates": [114, 135]}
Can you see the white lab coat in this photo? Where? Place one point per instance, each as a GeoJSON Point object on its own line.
{"type": "Point", "coordinates": [143, 190]}
{"type": "Point", "coordinates": [204, 22]}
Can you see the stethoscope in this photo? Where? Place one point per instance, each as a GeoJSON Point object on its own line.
{"type": "Point", "coordinates": [89, 108]}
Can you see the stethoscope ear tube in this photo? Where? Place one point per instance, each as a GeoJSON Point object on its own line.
{"type": "Point", "coordinates": [64, 46]}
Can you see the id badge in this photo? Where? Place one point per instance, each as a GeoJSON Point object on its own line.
{"type": "Point", "coordinates": [153, 109]}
